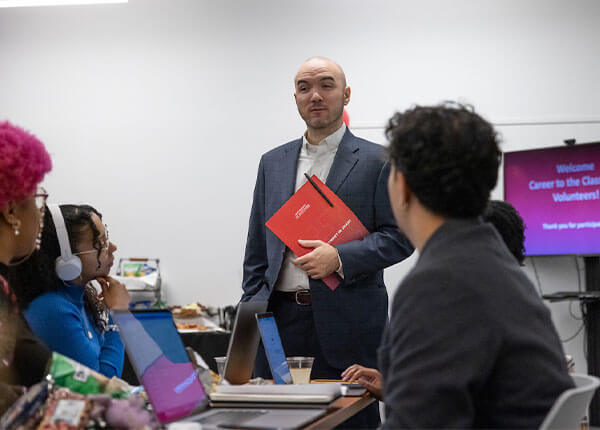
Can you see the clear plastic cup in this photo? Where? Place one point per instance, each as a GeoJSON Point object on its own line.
{"type": "Point", "coordinates": [300, 368]}
{"type": "Point", "coordinates": [221, 366]}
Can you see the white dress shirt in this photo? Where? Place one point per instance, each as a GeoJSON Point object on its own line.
{"type": "Point", "coordinates": [314, 160]}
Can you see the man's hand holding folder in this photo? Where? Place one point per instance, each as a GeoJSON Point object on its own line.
{"type": "Point", "coordinates": [315, 213]}
{"type": "Point", "coordinates": [322, 261]}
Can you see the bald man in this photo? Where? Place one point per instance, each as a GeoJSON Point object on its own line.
{"type": "Point", "coordinates": [341, 327]}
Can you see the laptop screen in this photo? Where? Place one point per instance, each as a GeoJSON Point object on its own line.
{"type": "Point", "coordinates": [243, 344]}
{"type": "Point", "coordinates": [273, 348]}
{"type": "Point", "coordinates": [161, 363]}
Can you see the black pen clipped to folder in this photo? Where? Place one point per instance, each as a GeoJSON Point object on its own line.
{"type": "Point", "coordinates": [318, 189]}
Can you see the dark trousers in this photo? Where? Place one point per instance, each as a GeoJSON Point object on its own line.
{"type": "Point", "coordinates": [299, 338]}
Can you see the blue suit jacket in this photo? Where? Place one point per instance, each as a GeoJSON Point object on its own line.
{"type": "Point", "coordinates": [350, 320]}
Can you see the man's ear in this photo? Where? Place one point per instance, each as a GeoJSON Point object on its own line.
{"type": "Point", "coordinates": [346, 95]}
{"type": "Point", "coordinates": [404, 192]}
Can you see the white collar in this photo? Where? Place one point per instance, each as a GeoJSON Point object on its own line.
{"type": "Point", "coordinates": [329, 144]}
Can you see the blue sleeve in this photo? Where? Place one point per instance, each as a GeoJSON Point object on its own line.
{"type": "Point", "coordinates": [60, 325]}
{"type": "Point", "coordinates": [112, 354]}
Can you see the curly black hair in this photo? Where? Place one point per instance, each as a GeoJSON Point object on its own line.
{"type": "Point", "coordinates": [37, 275]}
{"type": "Point", "coordinates": [509, 224]}
{"type": "Point", "coordinates": [448, 155]}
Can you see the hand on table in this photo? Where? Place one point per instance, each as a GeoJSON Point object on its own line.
{"type": "Point", "coordinates": [114, 293]}
{"type": "Point", "coordinates": [322, 261]}
{"type": "Point", "coordinates": [369, 378]}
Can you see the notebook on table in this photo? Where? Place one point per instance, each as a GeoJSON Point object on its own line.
{"type": "Point", "coordinates": [161, 364]}
{"type": "Point", "coordinates": [311, 395]}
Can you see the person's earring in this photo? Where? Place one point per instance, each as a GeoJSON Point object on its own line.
{"type": "Point", "coordinates": [17, 227]}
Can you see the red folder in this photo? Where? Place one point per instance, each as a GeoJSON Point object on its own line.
{"type": "Point", "coordinates": [308, 216]}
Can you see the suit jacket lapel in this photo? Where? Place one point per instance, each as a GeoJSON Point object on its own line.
{"type": "Point", "coordinates": [343, 163]}
{"type": "Point", "coordinates": [287, 178]}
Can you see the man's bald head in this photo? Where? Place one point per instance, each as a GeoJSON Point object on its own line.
{"type": "Point", "coordinates": [321, 94]}
{"type": "Point", "coordinates": [319, 61]}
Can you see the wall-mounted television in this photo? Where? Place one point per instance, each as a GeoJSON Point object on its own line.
{"type": "Point", "coordinates": [557, 192]}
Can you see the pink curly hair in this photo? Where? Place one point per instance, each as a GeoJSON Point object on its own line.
{"type": "Point", "coordinates": [23, 163]}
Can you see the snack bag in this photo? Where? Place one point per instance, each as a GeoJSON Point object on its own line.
{"type": "Point", "coordinates": [75, 376]}
{"type": "Point", "coordinates": [81, 379]}
{"type": "Point", "coordinates": [66, 411]}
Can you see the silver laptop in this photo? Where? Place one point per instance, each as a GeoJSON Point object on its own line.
{"type": "Point", "coordinates": [243, 344]}
{"type": "Point", "coordinates": [161, 364]}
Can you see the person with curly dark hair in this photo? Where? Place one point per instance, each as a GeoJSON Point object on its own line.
{"type": "Point", "coordinates": [69, 316]}
{"type": "Point", "coordinates": [469, 343]}
{"type": "Point", "coordinates": [508, 222]}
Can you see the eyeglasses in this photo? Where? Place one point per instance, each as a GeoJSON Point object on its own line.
{"type": "Point", "coordinates": [104, 247]}
{"type": "Point", "coordinates": [40, 198]}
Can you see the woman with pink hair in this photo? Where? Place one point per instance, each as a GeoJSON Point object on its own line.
{"type": "Point", "coordinates": [23, 163]}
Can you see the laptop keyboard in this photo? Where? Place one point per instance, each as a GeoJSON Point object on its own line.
{"type": "Point", "coordinates": [230, 418]}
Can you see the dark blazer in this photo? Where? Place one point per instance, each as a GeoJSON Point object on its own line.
{"type": "Point", "coordinates": [470, 343]}
{"type": "Point", "coordinates": [351, 319]}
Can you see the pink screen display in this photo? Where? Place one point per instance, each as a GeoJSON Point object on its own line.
{"type": "Point", "coordinates": [557, 192]}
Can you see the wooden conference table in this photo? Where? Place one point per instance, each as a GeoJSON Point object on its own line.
{"type": "Point", "coordinates": [340, 410]}
{"type": "Point", "coordinates": [337, 412]}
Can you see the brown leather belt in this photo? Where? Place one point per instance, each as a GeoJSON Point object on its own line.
{"type": "Point", "coordinates": [300, 297]}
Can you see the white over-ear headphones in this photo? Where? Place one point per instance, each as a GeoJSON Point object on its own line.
{"type": "Point", "coordinates": [67, 266]}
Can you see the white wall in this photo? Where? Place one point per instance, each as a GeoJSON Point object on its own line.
{"type": "Point", "coordinates": [157, 111]}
